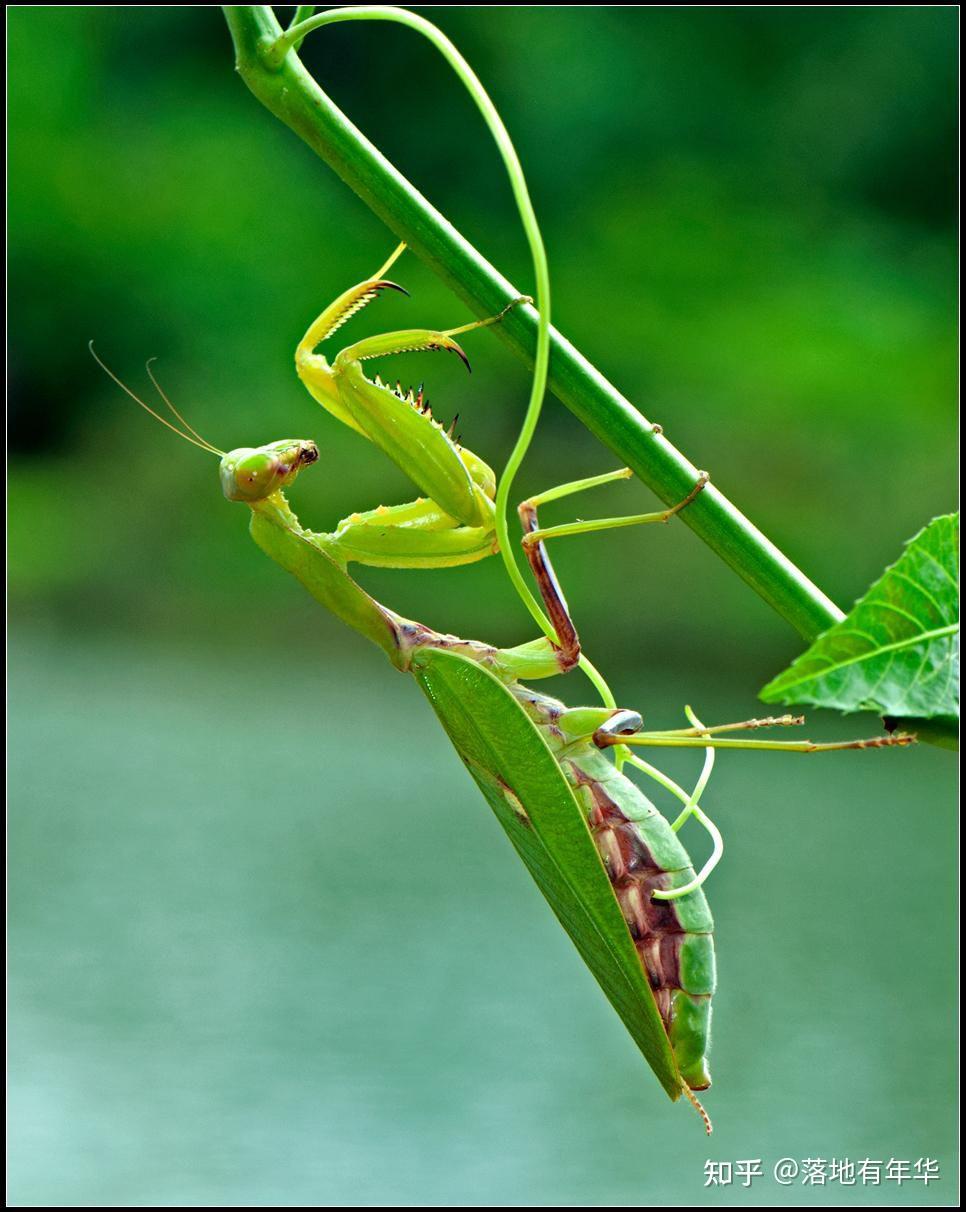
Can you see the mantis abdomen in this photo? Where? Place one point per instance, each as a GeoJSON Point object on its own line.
{"type": "Point", "coordinates": [673, 938]}
{"type": "Point", "coordinates": [642, 854]}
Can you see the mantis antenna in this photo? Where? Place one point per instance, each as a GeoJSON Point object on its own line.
{"type": "Point", "coordinates": [192, 436]}
{"type": "Point", "coordinates": [190, 428]}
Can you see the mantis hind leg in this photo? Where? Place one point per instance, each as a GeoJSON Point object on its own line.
{"type": "Point", "coordinates": [568, 641]}
{"type": "Point", "coordinates": [539, 560]}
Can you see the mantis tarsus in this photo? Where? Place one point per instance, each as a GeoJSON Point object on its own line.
{"type": "Point", "coordinates": [610, 865]}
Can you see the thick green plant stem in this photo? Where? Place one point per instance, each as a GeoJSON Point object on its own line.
{"type": "Point", "coordinates": [293, 96]}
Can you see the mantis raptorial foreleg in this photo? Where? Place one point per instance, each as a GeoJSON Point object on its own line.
{"type": "Point", "coordinates": [455, 522]}
{"type": "Point", "coordinates": [399, 422]}
{"type": "Point", "coordinates": [344, 307]}
{"type": "Point", "coordinates": [415, 535]}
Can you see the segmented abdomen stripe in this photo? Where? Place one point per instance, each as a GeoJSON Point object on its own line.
{"type": "Point", "coordinates": [642, 854]}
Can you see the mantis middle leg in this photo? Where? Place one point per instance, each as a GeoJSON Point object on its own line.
{"type": "Point", "coordinates": [534, 539]}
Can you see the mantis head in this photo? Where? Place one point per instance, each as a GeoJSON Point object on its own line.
{"type": "Point", "coordinates": [254, 473]}
{"type": "Point", "coordinates": [247, 474]}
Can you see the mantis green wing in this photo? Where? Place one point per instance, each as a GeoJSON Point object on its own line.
{"type": "Point", "coordinates": [523, 784]}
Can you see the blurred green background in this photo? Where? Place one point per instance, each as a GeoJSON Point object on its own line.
{"type": "Point", "coordinates": [267, 946]}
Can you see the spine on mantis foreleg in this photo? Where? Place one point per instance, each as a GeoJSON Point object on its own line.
{"type": "Point", "coordinates": [642, 854]}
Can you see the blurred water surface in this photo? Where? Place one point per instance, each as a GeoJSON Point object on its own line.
{"type": "Point", "coordinates": [269, 948]}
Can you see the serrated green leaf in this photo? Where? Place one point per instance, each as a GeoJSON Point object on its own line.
{"type": "Point", "coordinates": [897, 650]}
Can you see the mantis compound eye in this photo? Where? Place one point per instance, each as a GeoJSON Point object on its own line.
{"type": "Point", "coordinates": [254, 473]}
{"type": "Point", "coordinates": [621, 723]}
{"type": "Point", "coordinates": [604, 725]}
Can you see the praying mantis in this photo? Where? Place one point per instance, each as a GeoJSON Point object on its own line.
{"type": "Point", "coordinates": [610, 865]}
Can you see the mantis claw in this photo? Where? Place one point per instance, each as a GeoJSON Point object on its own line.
{"type": "Point", "coordinates": [385, 284]}
{"type": "Point", "coordinates": [452, 347]}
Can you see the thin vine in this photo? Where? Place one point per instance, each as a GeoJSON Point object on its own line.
{"type": "Point", "coordinates": [284, 86]}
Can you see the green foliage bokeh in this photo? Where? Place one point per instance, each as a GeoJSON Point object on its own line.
{"type": "Point", "coordinates": [266, 946]}
{"type": "Point", "coordinates": [750, 219]}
